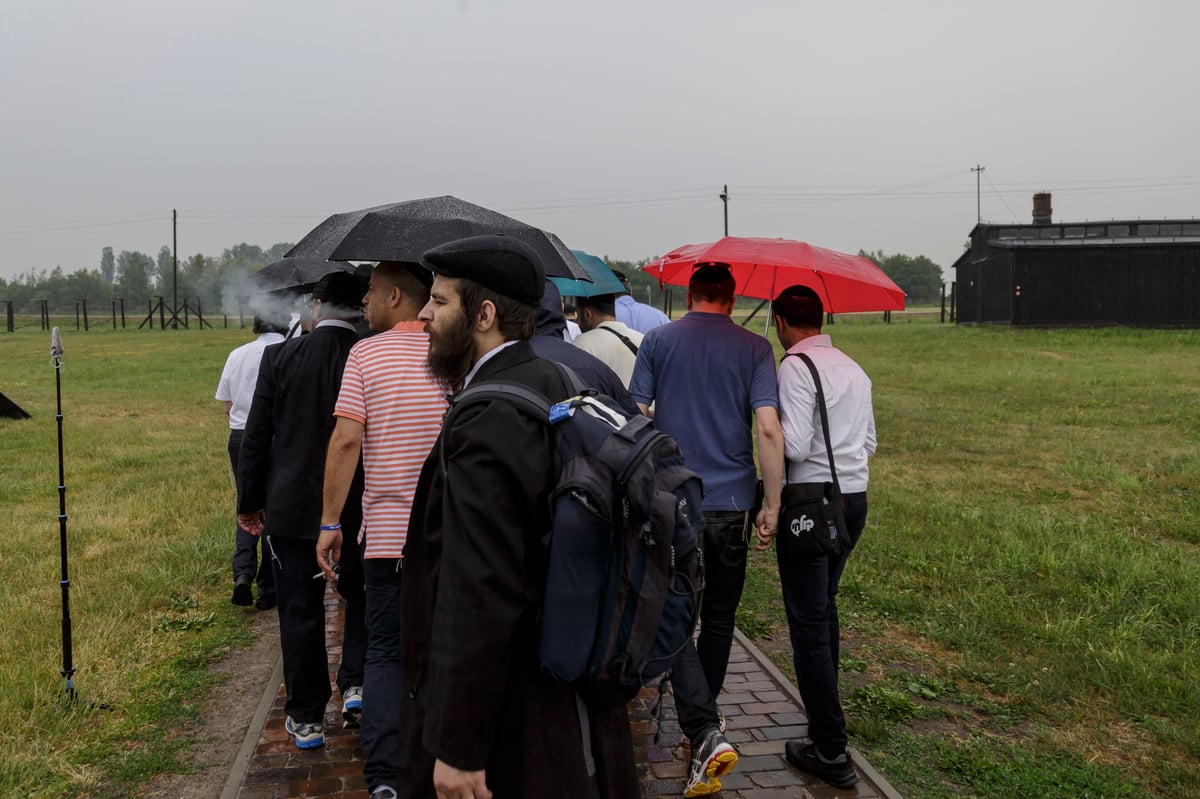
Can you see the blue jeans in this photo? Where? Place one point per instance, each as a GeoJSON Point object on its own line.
{"type": "Point", "coordinates": [810, 587]}
{"type": "Point", "coordinates": [382, 686]}
{"type": "Point", "coordinates": [697, 678]}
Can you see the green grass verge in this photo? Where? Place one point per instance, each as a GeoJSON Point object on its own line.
{"type": "Point", "coordinates": [149, 527]}
{"type": "Point", "coordinates": [1024, 606]}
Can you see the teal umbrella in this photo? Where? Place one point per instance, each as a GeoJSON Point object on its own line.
{"type": "Point", "coordinates": [602, 279]}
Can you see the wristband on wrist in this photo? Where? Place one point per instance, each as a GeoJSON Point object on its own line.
{"type": "Point", "coordinates": [337, 526]}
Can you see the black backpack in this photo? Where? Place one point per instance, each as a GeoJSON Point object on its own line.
{"type": "Point", "coordinates": [625, 566]}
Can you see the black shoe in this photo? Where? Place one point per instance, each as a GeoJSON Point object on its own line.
{"type": "Point", "coordinates": [242, 595]}
{"type": "Point", "coordinates": [839, 772]}
{"type": "Point", "coordinates": [265, 601]}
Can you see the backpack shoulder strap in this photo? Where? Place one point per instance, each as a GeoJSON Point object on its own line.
{"type": "Point", "coordinates": [624, 339]}
{"type": "Point", "coordinates": [525, 399]}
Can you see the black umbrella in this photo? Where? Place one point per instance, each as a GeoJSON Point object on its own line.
{"type": "Point", "coordinates": [406, 230]}
{"type": "Point", "coordinates": [298, 275]}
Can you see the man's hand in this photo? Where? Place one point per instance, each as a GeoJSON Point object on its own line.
{"type": "Point", "coordinates": [452, 783]}
{"type": "Point", "coordinates": [766, 525]}
{"type": "Point", "coordinates": [252, 523]}
{"type": "Point", "coordinates": [329, 551]}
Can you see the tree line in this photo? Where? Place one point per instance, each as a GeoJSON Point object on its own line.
{"type": "Point", "coordinates": [137, 277]}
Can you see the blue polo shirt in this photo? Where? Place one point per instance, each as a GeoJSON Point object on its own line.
{"type": "Point", "coordinates": [706, 375]}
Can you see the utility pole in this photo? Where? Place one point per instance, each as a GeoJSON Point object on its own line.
{"type": "Point", "coordinates": [978, 170]}
{"type": "Point", "coordinates": [725, 201]}
{"type": "Point", "coordinates": [174, 261]}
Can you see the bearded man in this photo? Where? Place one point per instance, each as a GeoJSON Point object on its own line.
{"type": "Point", "coordinates": [479, 719]}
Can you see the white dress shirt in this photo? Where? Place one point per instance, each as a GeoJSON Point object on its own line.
{"type": "Point", "coordinates": [847, 392]}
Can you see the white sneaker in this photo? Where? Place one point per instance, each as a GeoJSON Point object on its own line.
{"type": "Point", "coordinates": [352, 699]}
{"type": "Point", "coordinates": [714, 758]}
{"type": "Point", "coordinates": [308, 735]}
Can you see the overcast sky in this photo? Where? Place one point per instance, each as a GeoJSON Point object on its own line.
{"type": "Point", "coordinates": [614, 124]}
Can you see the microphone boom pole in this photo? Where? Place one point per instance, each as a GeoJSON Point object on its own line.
{"type": "Point", "coordinates": [68, 669]}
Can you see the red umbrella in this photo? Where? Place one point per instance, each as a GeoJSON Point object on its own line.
{"type": "Point", "coordinates": [764, 267]}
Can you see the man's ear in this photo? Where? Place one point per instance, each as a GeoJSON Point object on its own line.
{"type": "Point", "coordinates": [395, 297]}
{"type": "Point", "coordinates": [485, 320]}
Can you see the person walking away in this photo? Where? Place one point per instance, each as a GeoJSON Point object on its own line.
{"type": "Point", "coordinates": [810, 583]}
{"type": "Point", "coordinates": [236, 390]}
{"type": "Point", "coordinates": [478, 718]}
{"type": "Point", "coordinates": [713, 386]}
{"type": "Point", "coordinates": [610, 340]}
{"type": "Point", "coordinates": [637, 315]}
{"type": "Point", "coordinates": [389, 411]}
{"type": "Point", "coordinates": [548, 342]}
{"type": "Point", "coordinates": [282, 471]}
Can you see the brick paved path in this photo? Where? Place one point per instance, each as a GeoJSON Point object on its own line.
{"type": "Point", "coordinates": [761, 709]}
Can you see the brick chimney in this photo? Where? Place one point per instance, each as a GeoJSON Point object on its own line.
{"type": "Point", "coordinates": [1041, 208]}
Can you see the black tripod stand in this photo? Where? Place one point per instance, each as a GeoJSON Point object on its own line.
{"type": "Point", "coordinates": [68, 669]}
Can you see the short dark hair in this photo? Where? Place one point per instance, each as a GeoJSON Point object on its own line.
{"type": "Point", "coordinates": [514, 318]}
{"type": "Point", "coordinates": [800, 307]}
{"type": "Point", "coordinates": [624, 281]}
{"type": "Point", "coordinates": [411, 278]}
{"type": "Point", "coordinates": [600, 303]}
{"type": "Point", "coordinates": [712, 282]}
{"type": "Point", "coordinates": [264, 323]}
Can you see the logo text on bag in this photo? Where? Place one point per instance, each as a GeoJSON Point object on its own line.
{"type": "Point", "coordinates": [802, 525]}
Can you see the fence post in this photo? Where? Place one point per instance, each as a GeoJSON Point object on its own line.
{"type": "Point", "coordinates": [8, 314]}
{"type": "Point", "coordinates": [45, 315]}
{"type": "Point", "coordinates": [77, 314]}
{"type": "Point", "coordinates": [122, 313]}
{"type": "Point", "coordinates": [953, 302]}
{"type": "Point", "coordinates": [85, 316]}
{"type": "Point", "coordinates": [114, 314]}
{"type": "Point", "coordinates": [162, 315]}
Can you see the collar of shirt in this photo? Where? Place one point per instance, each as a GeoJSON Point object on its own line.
{"type": "Point", "coordinates": [409, 327]}
{"type": "Point", "coordinates": [486, 357]}
{"type": "Point", "coordinates": [335, 323]}
{"type": "Point", "coordinates": [819, 340]}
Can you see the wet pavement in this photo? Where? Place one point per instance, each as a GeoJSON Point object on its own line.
{"type": "Point", "coordinates": [762, 709]}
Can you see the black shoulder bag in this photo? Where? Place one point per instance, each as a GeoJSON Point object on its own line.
{"type": "Point", "coordinates": [811, 521]}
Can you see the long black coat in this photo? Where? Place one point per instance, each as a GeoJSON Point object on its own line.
{"type": "Point", "coordinates": [473, 573]}
{"type": "Point", "coordinates": [281, 466]}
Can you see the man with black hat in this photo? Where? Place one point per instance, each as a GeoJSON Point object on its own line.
{"type": "Point", "coordinates": [479, 719]}
{"type": "Point", "coordinates": [281, 470]}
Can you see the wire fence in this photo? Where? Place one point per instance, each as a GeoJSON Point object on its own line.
{"type": "Point", "coordinates": [84, 316]}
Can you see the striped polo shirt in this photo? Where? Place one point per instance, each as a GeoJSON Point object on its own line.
{"type": "Point", "coordinates": [387, 388]}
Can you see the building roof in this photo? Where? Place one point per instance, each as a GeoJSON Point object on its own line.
{"type": "Point", "coordinates": [1112, 233]}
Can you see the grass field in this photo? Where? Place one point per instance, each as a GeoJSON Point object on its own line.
{"type": "Point", "coordinates": [1022, 613]}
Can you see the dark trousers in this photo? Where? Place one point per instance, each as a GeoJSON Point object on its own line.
{"type": "Point", "coordinates": [810, 587]}
{"type": "Point", "coordinates": [699, 674]}
{"type": "Point", "coordinates": [301, 605]}
{"type": "Point", "coordinates": [382, 686]}
{"type": "Point", "coordinates": [245, 549]}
